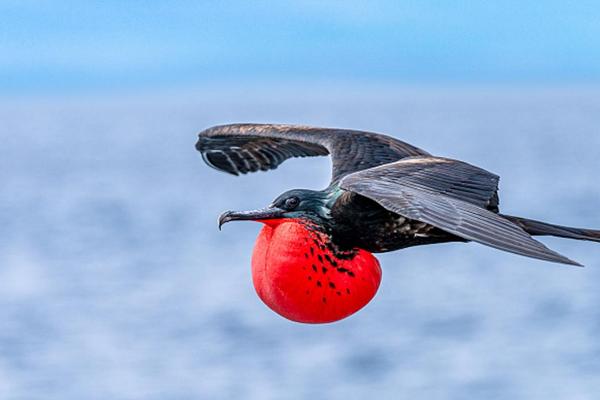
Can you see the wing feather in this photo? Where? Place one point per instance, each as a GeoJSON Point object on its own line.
{"type": "Point", "coordinates": [243, 148]}
{"type": "Point", "coordinates": [450, 195]}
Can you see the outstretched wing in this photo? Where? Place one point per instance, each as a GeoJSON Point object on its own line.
{"type": "Point", "coordinates": [450, 195]}
{"type": "Point", "coordinates": [243, 148]}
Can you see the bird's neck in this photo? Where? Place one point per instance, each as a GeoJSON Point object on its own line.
{"type": "Point", "coordinates": [322, 203]}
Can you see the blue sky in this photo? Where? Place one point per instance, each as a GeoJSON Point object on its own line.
{"type": "Point", "coordinates": [73, 45]}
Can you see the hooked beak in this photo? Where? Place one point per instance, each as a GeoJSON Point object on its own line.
{"type": "Point", "coordinates": [254, 215]}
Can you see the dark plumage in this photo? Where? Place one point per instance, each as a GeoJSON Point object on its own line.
{"type": "Point", "coordinates": [384, 194]}
{"type": "Point", "coordinates": [243, 148]}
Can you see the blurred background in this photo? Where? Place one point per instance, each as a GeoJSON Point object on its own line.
{"type": "Point", "coordinates": [115, 282]}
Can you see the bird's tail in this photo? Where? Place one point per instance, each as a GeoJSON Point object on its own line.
{"type": "Point", "coordinates": [538, 228]}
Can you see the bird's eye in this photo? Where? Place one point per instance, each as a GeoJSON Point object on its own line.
{"type": "Point", "coordinates": [292, 203]}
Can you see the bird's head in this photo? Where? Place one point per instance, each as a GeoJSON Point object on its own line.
{"type": "Point", "coordinates": [296, 204]}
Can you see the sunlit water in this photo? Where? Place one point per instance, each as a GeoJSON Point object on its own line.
{"type": "Point", "coordinates": [116, 284]}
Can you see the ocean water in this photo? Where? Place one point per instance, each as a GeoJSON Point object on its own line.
{"type": "Point", "coordinates": [116, 284]}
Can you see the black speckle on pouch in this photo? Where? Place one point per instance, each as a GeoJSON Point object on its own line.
{"type": "Point", "coordinates": [314, 267]}
{"type": "Point", "coordinates": [332, 285]}
{"type": "Point", "coordinates": [319, 284]}
{"type": "Point", "coordinates": [324, 270]}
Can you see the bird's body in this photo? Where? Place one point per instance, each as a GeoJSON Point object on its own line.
{"type": "Point", "coordinates": [384, 195]}
{"type": "Point", "coordinates": [358, 222]}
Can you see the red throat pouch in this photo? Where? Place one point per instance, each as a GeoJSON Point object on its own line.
{"type": "Point", "coordinates": [299, 277]}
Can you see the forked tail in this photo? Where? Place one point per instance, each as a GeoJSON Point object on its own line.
{"type": "Point", "coordinates": [538, 228]}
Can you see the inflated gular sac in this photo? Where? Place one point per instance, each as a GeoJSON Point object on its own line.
{"type": "Point", "coordinates": [298, 276]}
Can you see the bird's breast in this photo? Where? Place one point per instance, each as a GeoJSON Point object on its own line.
{"type": "Point", "coordinates": [361, 222]}
{"type": "Point", "coordinates": [298, 275]}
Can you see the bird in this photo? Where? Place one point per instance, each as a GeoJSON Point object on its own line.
{"type": "Point", "coordinates": [313, 261]}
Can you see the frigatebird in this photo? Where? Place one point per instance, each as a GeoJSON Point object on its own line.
{"type": "Point", "coordinates": [313, 260]}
